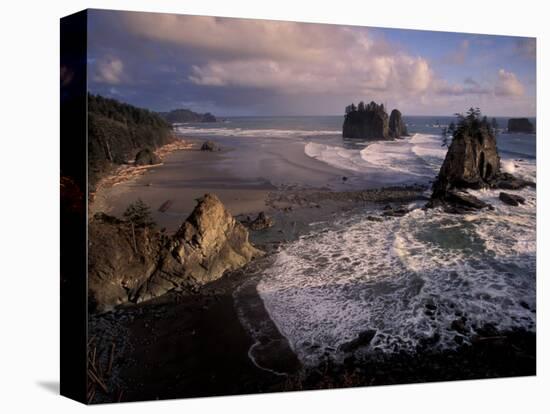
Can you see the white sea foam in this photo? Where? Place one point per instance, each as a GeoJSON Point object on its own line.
{"type": "Point", "coordinates": [337, 281]}
{"type": "Point", "coordinates": [413, 159]}
{"type": "Point", "coordinates": [508, 166]}
{"type": "Point", "coordinates": [241, 132]}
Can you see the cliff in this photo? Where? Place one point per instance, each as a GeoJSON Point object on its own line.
{"type": "Point", "coordinates": [117, 132]}
{"type": "Point", "coordinates": [371, 121]}
{"type": "Point", "coordinates": [136, 263]}
{"type": "Point", "coordinates": [185, 115]}
{"type": "Point", "coordinates": [520, 125]}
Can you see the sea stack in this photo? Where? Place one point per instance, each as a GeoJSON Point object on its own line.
{"type": "Point", "coordinates": [371, 121]}
{"type": "Point", "coordinates": [520, 125]}
{"type": "Point", "coordinates": [472, 162]}
{"type": "Point", "coordinates": [397, 127]}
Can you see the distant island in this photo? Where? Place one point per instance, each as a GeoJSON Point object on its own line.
{"type": "Point", "coordinates": [371, 121]}
{"type": "Point", "coordinates": [520, 125]}
{"type": "Point", "coordinates": [178, 116]}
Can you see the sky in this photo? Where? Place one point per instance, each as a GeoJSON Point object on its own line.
{"type": "Point", "coordinates": [237, 67]}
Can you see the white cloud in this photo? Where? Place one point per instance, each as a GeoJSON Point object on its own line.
{"type": "Point", "coordinates": [508, 84]}
{"type": "Point", "coordinates": [109, 70]}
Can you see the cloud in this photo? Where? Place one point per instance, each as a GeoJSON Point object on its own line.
{"type": "Point", "coordinates": [508, 84]}
{"type": "Point", "coordinates": [458, 57]}
{"type": "Point", "coordinates": [246, 66]}
{"type": "Point", "coordinates": [109, 70]}
{"type": "Point", "coordinates": [287, 57]}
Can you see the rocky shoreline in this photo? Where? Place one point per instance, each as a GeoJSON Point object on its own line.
{"type": "Point", "coordinates": [195, 326]}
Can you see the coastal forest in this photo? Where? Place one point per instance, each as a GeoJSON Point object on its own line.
{"type": "Point", "coordinates": [117, 131]}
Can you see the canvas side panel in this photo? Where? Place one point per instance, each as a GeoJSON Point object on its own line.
{"type": "Point", "coordinates": [73, 206]}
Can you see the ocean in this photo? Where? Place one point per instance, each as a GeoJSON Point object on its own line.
{"type": "Point", "coordinates": [407, 278]}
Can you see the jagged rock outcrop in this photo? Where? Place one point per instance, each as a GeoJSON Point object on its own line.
{"type": "Point", "coordinates": [135, 264]}
{"type": "Point", "coordinates": [520, 125]}
{"type": "Point", "coordinates": [472, 162]}
{"type": "Point", "coordinates": [371, 121]}
{"type": "Point", "coordinates": [261, 222]}
{"type": "Point", "coordinates": [397, 127]}
{"type": "Point", "coordinates": [147, 157]}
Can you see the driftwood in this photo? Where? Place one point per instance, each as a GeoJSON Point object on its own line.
{"type": "Point", "coordinates": [96, 379]}
{"type": "Point", "coordinates": [111, 357]}
{"type": "Point", "coordinates": [166, 205]}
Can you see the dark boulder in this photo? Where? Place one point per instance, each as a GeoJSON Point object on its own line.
{"type": "Point", "coordinates": [511, 199]}
{"type": "Point", "coordinates": [261, 222]}
{"type": "Point", "coordinates": [507, 181]}
{"type": "Point", "coordinates": [147, 157]}
{"type": "Point", "coordinates": [210, 146]}
{"type": "Point", "coordinates": [366, 122]}
{"type": "Point", "coordinates": [520, 125]}
{"type": "Point", "coordinates": [395, 212]}
{"type": "Point", "coordinates": [397, 127]}
{"type": "Point", "coordinates": [459, 325]}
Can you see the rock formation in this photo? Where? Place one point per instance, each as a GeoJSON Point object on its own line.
{"type": "Point", "coordinates": [129, 264]}
{"type": "Point", "coordinates": [371, 122]}
{"type": "Point", "coordinates": [397, 127]}
{"type": "Point", "coordinates": [147, 157]}
{"type": "Point", "coordinates": [210, 146]}
{"type": "Point", "coordinates": [366, 122]}
{"type": "Point", "coordinates": [261, 222]}
{"type": "Point", "coordinates": [520, 125]}
{"type": "Point", "coordinates": [511, 199]}
{"type": "Point", "coordinates": [472, 162]}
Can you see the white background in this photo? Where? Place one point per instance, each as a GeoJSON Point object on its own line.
{"type": "Point", "coordinates": [29, 235]}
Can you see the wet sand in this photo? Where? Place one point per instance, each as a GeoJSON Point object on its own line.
{"type": "Point", "coordinates": [182, 178]}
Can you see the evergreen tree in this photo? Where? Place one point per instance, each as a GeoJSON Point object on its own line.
{"type": "Point", "coordinates": [139, 214]}
{"type": "Point", "coordinates": [452, 128]}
